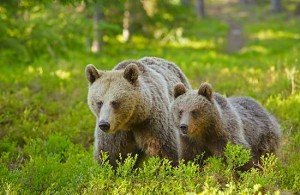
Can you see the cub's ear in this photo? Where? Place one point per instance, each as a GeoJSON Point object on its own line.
{"type": "Point", "coordinates": [205, 90]}
{"type": "Point", "coordinates": [92, 73]}
{"type": "Point", "coordinates": [179, 89]}
{"type": "Point", "coordinates": [131, 73]}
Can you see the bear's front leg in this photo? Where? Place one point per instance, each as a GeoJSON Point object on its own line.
{"type": "Point", "coordinates": [116, 145]}
{"type": "Point", "coordinates": [105, 143]}
{"type": "Point", "coordinates": [153, 145]}
{"type": "Point", "coordinates": [189, 150]}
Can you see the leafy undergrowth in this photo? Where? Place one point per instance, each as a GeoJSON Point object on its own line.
{"type": "Point", "coordinates": [58, 166]}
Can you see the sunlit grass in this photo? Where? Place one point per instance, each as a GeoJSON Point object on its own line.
{"type": "Point", "coordinates": [34, 71]}
{"type": "Point", "coordinates": [271, 34]}
{"type": "Point", "coordinates": [285, 107]}
{"type": "Point", "coordinates": [204, 44]}
{"type": "Point", "coordinates": [61, 74]}
{"type": "Point", "coordinates": [254, 49]}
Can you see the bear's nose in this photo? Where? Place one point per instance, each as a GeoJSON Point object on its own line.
{"type": "Point", "coordinates": [104, 126]}
{"type": "Point", "coordinates": [184, 128]}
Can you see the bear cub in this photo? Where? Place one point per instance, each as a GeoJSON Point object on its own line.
{"type": "Point", "coordinates": [208, 120]}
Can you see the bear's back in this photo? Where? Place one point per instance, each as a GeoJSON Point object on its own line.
{"type": "Point", "coordinates": [259, 126]}
{"type": "Point", "coordinates": [168, 69]}
{"type": "Point", "coordinates": [158, 72]}
{"type": "Point", "coordinates": [231, 121]}
{"type": "Point", "coordinates": [163, 67]}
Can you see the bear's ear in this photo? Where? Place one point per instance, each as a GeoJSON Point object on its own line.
{"type": "Point", "coordinates": [205, 90]}
{"type": "Point", "coordinates": [92, 73]}
{"type": "Point", "coordinates": [131, 73]}
{"type": "Point", "coordinates": [179, 89]}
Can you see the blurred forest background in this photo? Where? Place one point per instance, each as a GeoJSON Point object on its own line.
{"type": "Point", "coordinates": [242, 47]}
{"type": "Point", "coordinates": [32, 28]}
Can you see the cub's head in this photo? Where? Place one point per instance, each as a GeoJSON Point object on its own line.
{"type": "Point", "coordinates": [193, 110]}
{"type": "Point", "coordinates": [113, 96]}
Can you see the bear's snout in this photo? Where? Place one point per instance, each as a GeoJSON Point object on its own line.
{"type": "Point", "coordinates": [104, 126]}
{"type": "Point", "coordinates": [184, 128]}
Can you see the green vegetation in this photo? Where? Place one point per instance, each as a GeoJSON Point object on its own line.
{"type": "Point", "coordinates": [46, 128]}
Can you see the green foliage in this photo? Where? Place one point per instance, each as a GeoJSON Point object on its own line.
{"type": "Point", "coordinates": [236, 156]}
{"type": "Point", "coordinates": [125, 169]}
{"type": "Point", "coordinates": [46, 128]}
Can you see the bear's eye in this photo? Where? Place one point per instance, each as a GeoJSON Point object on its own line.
{"type": "Point", "coordinates": [195, 113]}
{"type": "Point", "coordinates": [180, 113]}
{"type": "Point", "coordinates": [115, 104]}
{"type": "Point", "coordinates": [99, 104]}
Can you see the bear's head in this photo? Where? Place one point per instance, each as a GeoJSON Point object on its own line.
{"type": "Point", "coordinates": [113, 96]}
{"type": "Point", "coordinates": [193, 111]}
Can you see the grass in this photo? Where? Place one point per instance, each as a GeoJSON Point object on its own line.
{"type": "Point", "coordinates": [47, 129]}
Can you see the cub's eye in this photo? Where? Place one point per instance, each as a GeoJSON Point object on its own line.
{"type": "Point", "coordinates": [99, 104]}
{"type": "Point", "coordinates": [115, 104]}
{"type": "Point", "coordinates": [195, 113]}
{"type": "Point", "coordinates": [180, 113]}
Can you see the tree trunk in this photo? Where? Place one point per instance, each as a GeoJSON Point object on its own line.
{"type": "Point", "coordinates": [247, 2]}
{"type": "Point", "coordinates": [297, 10]}
{"type": "Point", "coordinates": [200, 8]}
{"type": "Point", "coordinates": [235, 38]}
{"type": "Point", "coordinates": [276, 6]}
{"type": "Point", "coordinates": [185, 3]}
{"type": "Point", "coordinates": [97, 37]}
{"type": "Point", "coordinates": [126, 23]}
